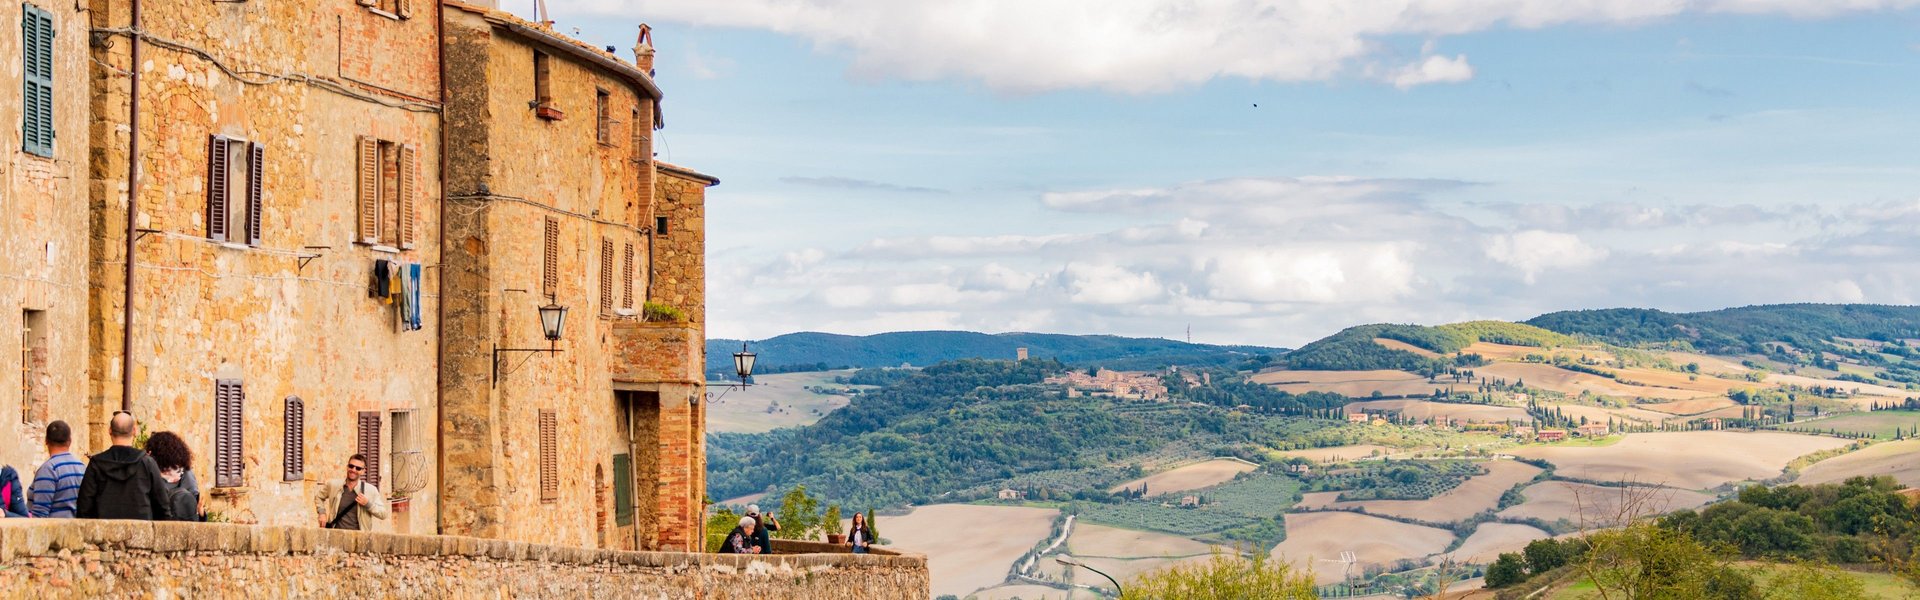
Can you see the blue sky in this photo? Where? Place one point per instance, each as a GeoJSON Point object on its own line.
{"type": "Point", "coordinates": [1102, 167]}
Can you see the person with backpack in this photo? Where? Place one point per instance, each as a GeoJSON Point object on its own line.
{"type": "Point", "coordinates": [123, 482]}
{"type": "Point", "coordinates": [352, 503]}
{"type": "Point", "coordinates": [175, 460]}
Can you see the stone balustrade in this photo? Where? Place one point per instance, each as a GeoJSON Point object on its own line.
{"type": "Point", "coordinates": [58, 558]}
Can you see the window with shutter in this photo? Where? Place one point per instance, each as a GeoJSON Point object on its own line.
{"type": "Point", "coordinates": [229, 400]}
{"type": "Point", "coordinates": [218, 192]}
{"type": "Point", "coordinates": [256, 173]}
{"type": "Point", "coordinates": [550, 262]}
{"type": "Point", "coordinates": [549, 456]}
{"type": "Point", "coordinates": [369, 437]}
{"type": "Point", "coordinates": [622, 490]}
{"type": "Point", "coordinates": [294, 461]}
{"type": "Point", "coordinates": [606, 276]}
{"type": "Point", "coordinates": [626, 278]}
{"type": "Point", "coordinates": [369, 196]}
{"type": "Point", "coordinates": [639, 137]}
{"type": "Point", "coordinates": [603, 116]}
{"type": "Point", "coordinates": [409, 193]}
{"type": "Point", "coordinates": [36, 123]}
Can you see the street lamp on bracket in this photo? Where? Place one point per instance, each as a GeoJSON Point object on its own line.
{"type": "Point", "coordinates": [553, 321]}
{"type": "Point", "coordinates": [743, 368]}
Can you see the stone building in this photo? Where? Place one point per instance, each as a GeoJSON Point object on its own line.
{"type": "Point", "coordinates": [43, 237]}
{"type": "Point", "coordinates": [554, 199]}
{"type": "Point", "coordinates": [286, 154]}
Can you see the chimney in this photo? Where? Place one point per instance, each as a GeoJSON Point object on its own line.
{"type": "Point", "coordinates": [643, 49]}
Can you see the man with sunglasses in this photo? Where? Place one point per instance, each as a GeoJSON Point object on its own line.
{"type": "Point", "coordinates": [123, 482]}
{"type": "Point", "coordinates": [352, 503]}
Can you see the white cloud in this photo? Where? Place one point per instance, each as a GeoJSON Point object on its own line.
{"type": "Point", "coordinates": [1160, 45]}
{"type": "Point", "coordinates": [1435, 69]}
{"type": "Point", "coordinates": [1534, 251]}
{"type": "Point", "coordinates": [1108, 284]}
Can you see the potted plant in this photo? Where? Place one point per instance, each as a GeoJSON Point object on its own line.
{"type": "Point", "coordinates": [661, 312]}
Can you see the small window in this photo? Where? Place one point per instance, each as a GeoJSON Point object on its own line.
{"type": "Point", "coordinates": [235, 168]}
{"type": "Point", "coordinates": [36, 380]}
{"type": "Point", "coordinates": [603, 116]}
{"type": "Point", "coordinates": [369, 438]}
{"type": "Point", "coordinates": [549, 456]}
{"type": "Point", "coordinates": [550, 263]}
{"type": "Point", "coordinates": [36, 123]}
{"type": "Point", "coordinates": [606, 276]}
{"type": "Point", "coordinates": [294, 460]}
{"type": "Point", "coordinates": [398, 9]}
{"type": "Point", "coordinates": [642, 144]}
{"type": "Point", "coordinates": [229, 402]}
{"type": "Point", "coordinates": [543, 88]}
{"type": "Point", "coordinates": [660, 226]}
{"type": "Point", "coordinates": [389, 174]}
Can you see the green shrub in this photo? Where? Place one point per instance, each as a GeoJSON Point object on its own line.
{"type": "Point", "coordinates": [661, 312]}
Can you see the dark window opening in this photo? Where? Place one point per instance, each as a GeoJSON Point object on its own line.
{"type": "Point", "coordinates": [660, 226]}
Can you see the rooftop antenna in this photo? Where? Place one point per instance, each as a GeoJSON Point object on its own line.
{"type": "Point", "coordinates": [1189, 333]}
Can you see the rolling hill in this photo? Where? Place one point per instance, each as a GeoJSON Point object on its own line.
{"type": "Point", "coordinates": [812, 351]}
{"type": "Point", "coordinates": [1739, 330]}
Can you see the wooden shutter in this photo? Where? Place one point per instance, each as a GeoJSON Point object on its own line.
{"type": "Point", "coordinates": [606, 276]}
{"type": "Point", "coordinates": [409, 192]}
{"type": "Point", "coordinates": [217, 188]}
{"type": "Point", "coordinates": [294, 461]}
{"type": "Point", "coordinates": [229, 398]}
{"type": "Point", "coordinates": [603, 117]}
{"type": "Point", "coordinates": [626, 278]}
{"type": "Point", "coordinates": [550, 263]}
{"type": "Point", "coordinates": [369, 435]}
{"type": "Point", "coordinates": [549, 456]}
{"type": "Point", "coordinates": [256, 173]}
{"type": "Point", "coordinates": [622, 490]}
{"type": "Point", "coordinates": [36, 123]}
{"type": "Point", "coordinates": [404, 8]}
{"type": "Point", "coordinates": [369, 196]}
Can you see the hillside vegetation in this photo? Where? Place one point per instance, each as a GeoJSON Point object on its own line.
{"type": "Point", "coordinates": [810, 351]}
{"type": "Point", "coordinates": [1354, 349]}
{"type": "Point", "coordinates": [1740, 330]}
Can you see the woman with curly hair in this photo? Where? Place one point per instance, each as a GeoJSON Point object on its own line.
{"type": "Point", "coordinates": [176, 471]}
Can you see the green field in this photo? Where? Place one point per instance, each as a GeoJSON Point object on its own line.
{"type": "Point", "coordinates": [792, 404]}
{"type": "Point", "coordinates": [1233, 504]}
{"type": "Point", "coordinates": [1880, 423]}
{"type": "Point", "coordinates": [1878, 585]}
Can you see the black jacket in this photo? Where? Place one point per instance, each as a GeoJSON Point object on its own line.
{"type": "Point", "coordinates": [763, 532]}
{"type": "Point", "coordinates": [737, 542]}
{"type": "Point", "coordinates": [123, 483]}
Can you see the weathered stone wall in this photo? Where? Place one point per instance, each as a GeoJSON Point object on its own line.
{"type": "Point", "coordinates": [43, 247]}
{"type": "Point", "coordinates": [510, 170]}
{"type": "Point", "coordinates": [60, 559]}
{"type": "Point", "coordinates": [306, 79]}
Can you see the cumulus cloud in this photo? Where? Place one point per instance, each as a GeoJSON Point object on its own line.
{"type": "Point", "coordinates": [1160, 45]}
{"type": "Point", "coordinates": [1534, 251]}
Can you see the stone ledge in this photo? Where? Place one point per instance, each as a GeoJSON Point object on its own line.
{"type": "Point", "coordinates": [29, 538]}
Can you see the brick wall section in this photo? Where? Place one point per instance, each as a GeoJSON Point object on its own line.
{"type": "Point", "coordinates": [207, 311]}
{"type": "Point", "coordinates": [43, 241]}
{"type": "Point", "coordinates": [137, 559]}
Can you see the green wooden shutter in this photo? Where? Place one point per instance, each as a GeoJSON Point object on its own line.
{"type": "Point", "coordinates": [622, 490]}
{"type": "Point", "coordinates": [37, 102]}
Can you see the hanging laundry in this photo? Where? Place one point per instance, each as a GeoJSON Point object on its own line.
{"type": "Point", "coordinates": [393, 281]}
{"type": "Point", "coordinates": [377, 288]}
{"type": "Point", "coordinates": [414, 302]}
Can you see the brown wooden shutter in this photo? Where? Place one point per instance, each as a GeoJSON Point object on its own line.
{"type": "Point", "coordinates": [409, 192]}
{"type": "Point", "coordinates": [404, 8]}
{"type": "Point", "coordinates": [256, 175]}
{"type": "Point", "coordinates": [549, 456]}
{"type": "Point", "coordinates": [603, 117]}
{"type": "Point", "coordinates": [294, 461]}
{"type": "Point", "coordinates": [217, 190]}
{"type": "Point", "coordinates": [369, 196]}
{"type": "Point", "coordinates": [229, 398]}
{"type": "Point", "coordinates": [550, 264]}
{"type": "Point", "coordinates": [369, 435]}
{"type": "Point", "coordinates": [626, 278]}
{"type": "Point", "coordinates": [606, 276]}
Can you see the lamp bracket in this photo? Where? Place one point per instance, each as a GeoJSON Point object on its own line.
{"type": "Point", "coordinates": [497, 351]}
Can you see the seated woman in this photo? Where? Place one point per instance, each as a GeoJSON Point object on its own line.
{"type": "Point", "coordinates": [740, 540]}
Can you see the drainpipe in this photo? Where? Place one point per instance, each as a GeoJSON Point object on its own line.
{"type": "Point", "coordinates": [133, 212]}
{"type": "Point", "coordinates": [440, 349]}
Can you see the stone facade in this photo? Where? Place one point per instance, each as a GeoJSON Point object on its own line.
{"type": "Point", "coordinates": [102, 559]}
{"type": "Point", "coordinates": [43, 244]}
{"type": "Point", "coordinates": [283, 150]}
{"type": "Point", "coordinates": [595, 443]}
{"type": "Point", "coordinates": [286, 313]}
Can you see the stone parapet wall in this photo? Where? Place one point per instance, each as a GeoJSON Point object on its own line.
{"type": "Point", "coordinates": [69, 558]}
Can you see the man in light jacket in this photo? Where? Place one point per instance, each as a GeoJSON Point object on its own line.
{"type": "Point", "coordinates": [351, 503]}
